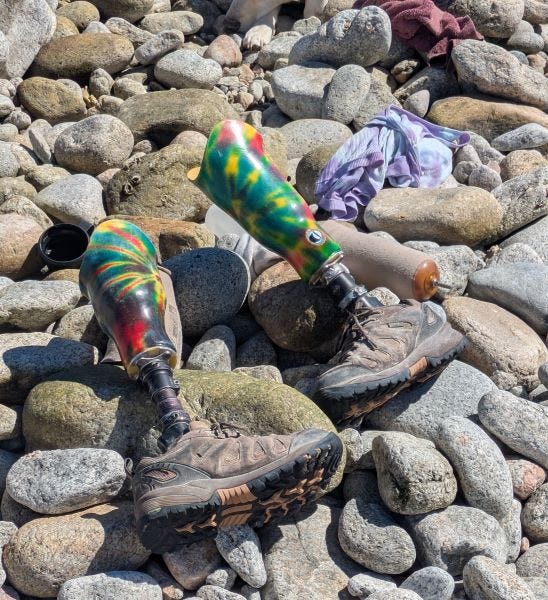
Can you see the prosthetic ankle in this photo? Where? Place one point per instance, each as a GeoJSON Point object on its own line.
{"type": "Point", "coordinates": [238, 176]}
{"type": "Point", "coordinates": [120, 277]}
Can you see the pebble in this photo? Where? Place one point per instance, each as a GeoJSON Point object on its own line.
{"type": "Point", "coordinates": [158, 46]}
{"type": "Point", "coordinates": [122, 585]}
{"type": "Point", "coordinates": [418, 103]}
{"type": "Point", "coordinates": [35, 304]}
{"type": "Point", "coordinates": [420, 410]}
{"type": "Point", "coordinates": [518, 287]}
{"type": "Point", "coordinates": [378, 98]}
{"type": "Point", "coordinates": [460, 215]}
{"type": "Point", "coordinates": [496, 19]}
{"type": "Point", "coordinates": [191, 565]}
{"type": "Point", "coordinates": [520, 424]}
{"type": "Point", "coordinates": [135, 35]}
{"type": "Point", "coordinates": [74, 199]}
{"type": "Point", "coordinates": [300, 90]}
{"type": "Point", "coordinates": [515, 253]}
{"type": "Point", "coordinates": [527, 476]}
{"type": "Point", "coordinates": [9, 165]}
{"type": "Point", "coordinates": [543, 374]}
{"type": "Point", "coordinates": [186, 69]}
{"type": "Point", "coordinates": [534, 235]}
{"type": "Point", "coordinates": [8, 132]}
{"type": "Point", "coordinates": [184, 21]}
{"type": "Point", "coordinates": [64, 28]}
{"type": "Point", "coordinates": [535, 515]}
{"type": "Point", "coordinates": [436, 83]}
{"type": "Point", "coordinates": [125, 88]}
{"type": "Point", "coordinates": [456, 264]}
{"type": "Point", "coordinates": [371, 537]}
{"type": "Point", "coordinates": [538, 586]}
{"type": "Point", "coordinates": [500, 344]}
{"type": "Point", "coordinates": [80, 325]}
{"type": "Point", "coordinates": [239, 545]}
{"type": "Point", "coordinates": [430, 583]}
{"type": "Point", "coordinates": [6, 106]}
{"type": "Point", "coordinates": [60, 481]}
{"type": "Point", "coordinates": [523, 138]}
{"type": "Point", "coordinates": [131, 10]}
{"type": "Point", "coordinates": [304, 135]}
{"type": "Point", "coordinates": [224, 577]}
{"type": "Point", "coordinates": [225, 51]}
{"type": "Point", "coordinates": [525, 39]}
{"type": "Point", "coordinates": [81, 13]}
{"type": "Point", "coordinates": [394, 595]}
{"type": "Point", "coordinates": [413, 477]}
{"type": "Point", "coordinates": [365, 584]}
{"type": "Point", "coordinates": [511, 525]}
{"type": "Point", "coordinates": [257, 350]}
{"type": "Point", "coordinates": [449, 538]}
{"type": "Point", "coordinates": [279, 48]}
{"type": "Point", "coordinates": [510, 79]}
{"type": "Point", "coordinates": [45, 553]}
{"type": "Point", "coordinates": [79, 55]}
{"type": "Point", "coordinates": [534, 563]}
{"type": "Point", "coordinates": [344, 97]}
{"type": "Point", "coordinates": [360, 37]}
{"type": "Point", "coordinates": [485, 178]}
{"type": "Point", "coordinates": [520, 162]}
{"type": "Point", "coordinates": [94, 145]}
{"type": "Point", "coordinates": [487, 579]}
{"type": "Point", "coordinates": [215, 351]}
{"type": "Point", "coordinates": [213, 592]}
{"type": "Point", "coordinates": [18, 237]}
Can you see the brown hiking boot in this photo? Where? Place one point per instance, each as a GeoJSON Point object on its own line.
{"type": "Point", "coordinates": [382, 351]}
{"type": "Point", "coordinates": [214, 477]}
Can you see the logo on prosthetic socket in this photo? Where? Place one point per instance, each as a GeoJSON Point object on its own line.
{"type": "Point", "coordinates": [315, 236]}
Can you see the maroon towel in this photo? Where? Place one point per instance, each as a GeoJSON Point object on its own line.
{"type": "Point", "coordinates": [421, 25]}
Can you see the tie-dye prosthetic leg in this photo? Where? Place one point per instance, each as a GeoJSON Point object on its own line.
{"type": "Point", "coordinates": [190, 491]}
{"type": "Point", "coordinates": [382, 349]}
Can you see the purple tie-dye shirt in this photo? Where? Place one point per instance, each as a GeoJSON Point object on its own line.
{"type": "Point", "coordinates": [395, 145]}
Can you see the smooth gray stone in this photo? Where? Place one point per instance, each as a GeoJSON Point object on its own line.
{"type": "Point", "coordinates": [55, 482]}
{"type": "Point", "coordinates": [485, 579]}
{"type": "Point", "coordinates": [535, 515]}
{"type": "Point", "coordinates": [364, 584]}
{"type": "Point", "coordinates": [119, 585]}
{"type": "Point", "coordinates": [534, 235]}
{"type": "Point", "coordinates": [511, 525]}
{"type": "Point", "coordinates": [214, 592]}
{"type": "Point", "coordinates": [216, 351]}
{"type": "Point", "coordinates": [430, 583]}
{"type": "Point", "coordinates": [256, 351]}
{"type": "Point", "coordinates": [186, 69]}
{"type": "Point", "coordinates": [534, 563]}
{"type": "Point", "coordinates": [521, 288]}
{"type": "Point", "coordinates": [538, 586]}
{"type": "Point", "coordinates": [525, 137]}
{"type": "Point", "coordinates": [482, 471]}
{"type": "Point", "coordinates": [348, 87]}
{"type": "Point", "coordinates": [239, 545]}
{"type": "Point", "coordinates": [362, 484]}
{"type": "Point", "coordinates": [420, 410]}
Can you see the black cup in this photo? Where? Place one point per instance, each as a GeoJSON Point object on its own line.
{"type": "Point", "coordinates": [63, 245]}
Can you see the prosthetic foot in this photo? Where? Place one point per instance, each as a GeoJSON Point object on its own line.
{"type": "Point", "coordinates": [383, 349]}
{"type": "Point", "coordinates": [209, 477]}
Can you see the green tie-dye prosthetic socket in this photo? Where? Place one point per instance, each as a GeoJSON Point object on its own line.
{"type": "Point", "coordinates": [238, 176]}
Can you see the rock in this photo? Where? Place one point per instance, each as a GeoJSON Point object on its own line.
{"type": "Point", "coordinates": [522, 138]}
{"type": "Point", "coordinates": [157, 185]}
{"type": "Point", "coordinates": [35, 304]}
{"type": "Point", "coordinates": [305, 135]}
{"type": "Point", "coordinates": [80, 325]}
{"type": "Point", "coordinates": [224, 51]}
{"type": "Point", "coordinates": [161, 44]}
{"type": "Point", "coordinates": [239, 545]}
{"type": "Point", "coordinates": [525, 39]}
{"type": "Point", "coordinates": [535, 236]}
{"type": "Point", "coordinates": [520, 162]}
{"type": "Point", "coordinates": [309, 168]}
{"type": "Point", "coordinates": [430, 583]}
{"type": "Point", "coordinates": [19, 118]}
{"type": "Point", "coordinates": [257, 350]}
{"type": "Point", "coordinates": [449, 538]}
{"type": "Point", "coordinates": [94, 145]}
{"type": "Point", "coordinates": [191, 565]}
{"type": "Point", "coordinates": [64, 28]}
{"type": "Point", "coordinates": [486, 117]}
{"type": "Point", "coordinates": [486, 578]}
{"type": "Point", "coordinates": [483, 474]}
{"type": "Point", "coordinates": [130, 10]}
{"type": "Point", "coordinates": [116, 584]}
{"type": "Point", "coordinates": [523, 200]}
{"type": "Point", "coordinates": [224, 577]}
{"type": "Point", "coordinates": [22, 37]}
{"type": "Point", "coordinates": [456, 264]}
{"type": "Point", "coordinates": [64, 275]}
{"type": "Point", "coordinates": [300, 91]}
{"type": "Point", "coordinates": [418, 103]}
{"type": "Point", "coordinates": [171, 237]}
{"type": "Point", "coordinates": [213, 592]}
{"type": "Point", "coordinates": [535, 515]}
{"type": "Point", "coordinates": [186, 69]}
{"type": "Point", "coordinates": [266, 372]}
{"type": "Point", "coordinates": [19, 235]}
{"type": "Point", "coordinates": [369, 535]}
{"type": "Point", "coordinates": [184, 21]}
{"type": "Point", "coordinates": [294, 315]}
{"type": "Point", "coordinates": [506, 76]}
{"type": "Point", "coordinates": [447, 216]}
{"type": "Point", "coordinates": [365, 584]}
{"type": "Point", "coordinates": [543, 374]}
{"type": "Point", "coordinates": [534, 563]}
{"type": "Point", "coordinates": [73, 199]}
{"type": "Point", "coordinates": [9, 165]}
{"type": "Point", "coordinates": [135, 35]}
{"type": "Point", "coordinates": [515, 253]}
{"type": "Point", "coordinates": [360, 37]}
{"type": "Point", "coordinates": [519, 287]}
{"type": "Point", "coordinates": [378, 98]}
{"type": "Point", "coordinates": [498, 19]}
{"type": "Point", "coordinates": [485, 178]}
{"type": "Point", "coordinates": [527, 477]}
{"type": "Point", "coordinates": [81, 13]}
{"type": "Point", "coordinates": [349, 86]}
{"type": "Point", "coordinates": [413, 477]}
{"type": "Point", "coordinates": [210, 287]}
{"type": "Point", "coordinates": [538, 586]}
{"type": "Point", "coordinates": [40, 177]}
{"type": "Point", "coordinates": [45, 553]}
{"type": "Point", "coordinates": [60, 481]}
{"type": "Point", "coordinates": [500, 344]}
{"type": "Point", "coordinates": [394, 595]}
{"type": "Point", "coordinates": [278, 48]}
{"type": "Point", "coordinates": [303, 557]}
{"type": "Point", "coordinates": [51, 100]}
{"type": "Point", "coordinates": [419, 411]}
{"type": "Point", "coordinates": [520, 424]}
{"type": "Point", "coordinates": [511, 525]}
{"type": "Point", "coordinates": [160, 116]}
{"type": "Point", "coordinates": [439, 83]}
{"type": "Point", "coordinates": [120, 417]}
{"type": "Point", "coordinates": [362, 485]}
{"type": "Point", "coordinates": [79, 55]}
{"type": "Point", "coordinates": [215, 351]}
{"type": "Point", "coordinates": [171, 589]}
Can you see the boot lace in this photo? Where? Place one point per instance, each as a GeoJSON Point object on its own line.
{"type": "Point", "coordinates": [226, 430]}
{"type": "Point", "coordinates": [355, 332]}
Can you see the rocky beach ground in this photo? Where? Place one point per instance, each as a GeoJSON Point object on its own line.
{"type": "Point", "coordinates": [105, 106]}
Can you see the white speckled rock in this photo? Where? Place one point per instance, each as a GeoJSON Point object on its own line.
{"type": "Point", "coordinates": [522, 138]}
{"type": "Point", "coordinates": [214, 592]}
{"type": "Point", "coordinates": [511, 525]}
{"type": "Point", "coordinates": [35, 304]}
{"type": "Point", "coordinates": [348, 87]}
{"type": "Point", "coordinates": [182, 20]}
{"type": "Point", "coordinates": [430, 583]}
{"type": "Point", "coordinates": [305, 135]}
{"type": "Point", "coordinates": [55, 482]}
{"type": "Point", "coordinates": [215, 351]}
{"type": "Point", "coordinates": [119, 585]}
{"type": "Point", "coordinates": [9, 165]}
{"type": "Point", "coordinates": [191, 565]}
{"type": "Point", "coordinates": [240, 547]}
{"type": "Point", "coordinates": [394, 595]}
{"type": "Point", "coordinates": [365, 584]}
{"type": "Point", "coordinates": [186, 69]}
{"type": "Point", "coordinates": [161, 44]}
{"type": "Point", "coordinates": [485, 579]}
{"type": "Point", "coordinates": [535, 515]}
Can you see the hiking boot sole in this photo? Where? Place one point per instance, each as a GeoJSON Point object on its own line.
{"type": "Point", "coordinates": [165, 522]}
{"type": "Point", "coordinates": [346, 403]}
